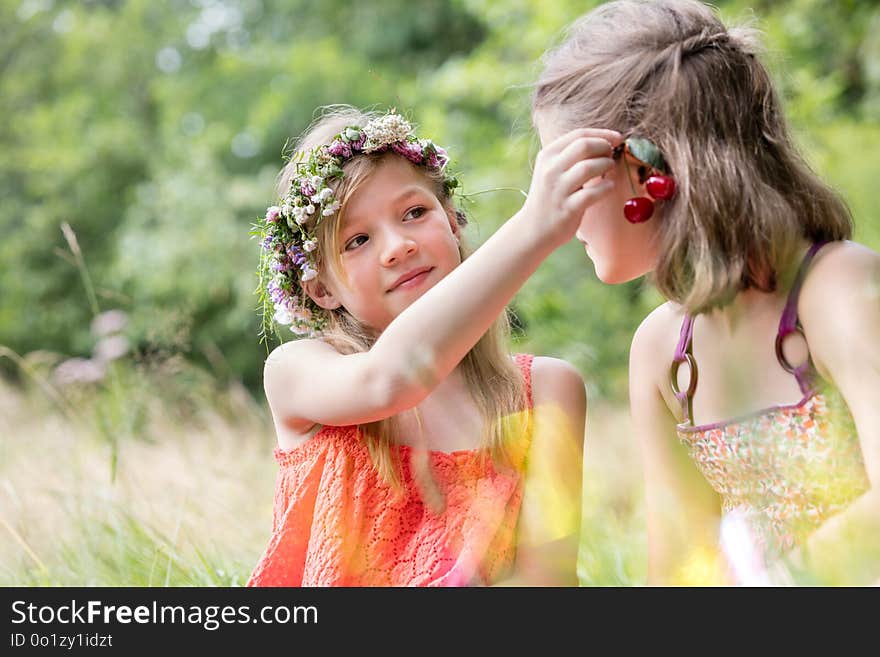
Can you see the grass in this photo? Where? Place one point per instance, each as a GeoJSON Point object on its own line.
{"type": "Point", "coordinates": [190, 503]}
{"type": "Point", "coordinates": [155, 475]}
{"type": "Point", "coordinates": [191, 500]}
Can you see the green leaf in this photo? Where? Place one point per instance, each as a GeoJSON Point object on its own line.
{"type": "Point", "coordinates": [645, 150]}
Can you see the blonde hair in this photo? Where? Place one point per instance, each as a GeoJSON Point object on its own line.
{"type": "Point", "coordinates": [492, 378]}
{"type": "Point", "coordinates": [672, 72]}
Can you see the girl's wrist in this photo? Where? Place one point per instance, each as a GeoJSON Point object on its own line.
{"type": "Point", "coordinates": [538, 236]}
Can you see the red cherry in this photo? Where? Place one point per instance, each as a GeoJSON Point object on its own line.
{"type": "Point", "coordinates": [660, 187]}
{"type": "Point", "coordinates": [637, 210]}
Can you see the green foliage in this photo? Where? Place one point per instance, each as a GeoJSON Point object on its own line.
{"type": "Point", "coordinates": [156, 129]}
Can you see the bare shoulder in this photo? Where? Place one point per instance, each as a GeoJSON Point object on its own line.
{"type": "Point", "coordinates": [656, 337]}
{"type": "Point", "coordinates": [839, 304]}
{"type": "Point", "coordinates": [554, 379]}
{"type": "Point", "coordinates": [842, 267]}
{"type": "Point", "coordinates": [290, 365]}
{"type": "Point", "coordinates": [652, 352]}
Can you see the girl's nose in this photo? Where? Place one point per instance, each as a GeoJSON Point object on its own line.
{"type": "Point", "coordinates": [397, 248]}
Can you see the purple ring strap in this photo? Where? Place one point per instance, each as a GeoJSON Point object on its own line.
{"type": "Point", "coordinates": [683, 353]}
{"type": "Point", "coordinates": [684, 341]}
{"type": "Point", "coordinates": [789, 323]}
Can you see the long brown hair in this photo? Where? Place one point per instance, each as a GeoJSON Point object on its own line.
{"type": "Point", "coordinates": [492, 378]}
{"type": "Point", "coordinates": [670, 71]}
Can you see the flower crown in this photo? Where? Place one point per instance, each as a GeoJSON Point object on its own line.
{"type": "Point", "coordinates": [288, 232]}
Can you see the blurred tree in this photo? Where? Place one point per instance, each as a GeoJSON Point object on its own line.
{"type": "Point", "coordinates": [156, 130]}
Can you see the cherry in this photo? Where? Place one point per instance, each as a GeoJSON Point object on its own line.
{"type": "Point", "coordinates": [638, 210]}
{"type": "Point", "coordinates": [660, 187]}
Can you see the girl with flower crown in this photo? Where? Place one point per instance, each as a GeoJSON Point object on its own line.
{"type": "Point", "coordinates": [413, 448]}
{"type": "Point", "coordinates": [765, 294]}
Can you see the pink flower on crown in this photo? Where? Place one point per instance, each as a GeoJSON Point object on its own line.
{"type": "Point", "coordinates": [437, 157]}
{"type": "Point", "coordinates": [339, 148]}
{"type": "Point", "coordinates": [272, 214]}
{"type": "Point", "coordinates": [410, 150]}
{"type": "Point", "coordinates": [307, 188]}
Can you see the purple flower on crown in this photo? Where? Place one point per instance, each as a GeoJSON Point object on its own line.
{"type": "Point", "coordinates": [358, 144]}
{"type": "Point", "coordinates": [340, 149]}
{"type": "Point", "coordinates": [282, 264]}
{"type": "Point", "coordinates": [436, 156]}
{"type": "Point", "coordinates": [410, 150]}
{"type": "Point", "coordinates": [296, 254]}
{"type": "Point", "coordinates": [272, 214]}
{"type": "Point", "coordinates": [276, 292]}
{"type": "Point", "coordinates": [307, 188]}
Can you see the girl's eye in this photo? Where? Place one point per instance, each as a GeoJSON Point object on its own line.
{"type": "Point", "coordinates": [416, 212]}
{"type": "Point", "coordinates": [355, 242]}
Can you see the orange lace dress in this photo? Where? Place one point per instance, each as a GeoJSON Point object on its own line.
{"type": "Point", "coordinates": [336, 523]}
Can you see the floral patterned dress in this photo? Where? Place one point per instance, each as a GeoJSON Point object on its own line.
{"type": "Point", "coordinates": [787, 468]}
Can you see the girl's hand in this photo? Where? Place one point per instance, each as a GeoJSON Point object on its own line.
{"type": "Point", "coordinates": [566, 180]}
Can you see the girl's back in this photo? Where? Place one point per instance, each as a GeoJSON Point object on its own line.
{"type": "Point", "coordinates": [764, 424]}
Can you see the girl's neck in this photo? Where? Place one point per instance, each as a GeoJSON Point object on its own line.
{"type": "Point", "coordinates": [753, 304]}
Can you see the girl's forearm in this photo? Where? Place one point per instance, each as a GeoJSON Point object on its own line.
{"type": "Point", "coordinates": [845, 550]}
{"type": "Point", "coordinates": [426, 341]}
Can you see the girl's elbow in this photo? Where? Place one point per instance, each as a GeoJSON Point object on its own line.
{"type": "Point", "coordinates": [396, 393]}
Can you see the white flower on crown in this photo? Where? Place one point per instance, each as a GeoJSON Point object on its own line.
{"type": "Point", "coordinates": [330, 209]}
{"type": "Point", "coordinates": [310, 245]}
{"type": "Point", "coordinates": [282, 315]}
{"type": "Point", "coordinates": [385, 130]}
{"type": "Point", "coordinates": [309, 273]}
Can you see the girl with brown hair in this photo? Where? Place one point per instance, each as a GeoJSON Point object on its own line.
{"type": "Point", "coordinates": [766, 294]}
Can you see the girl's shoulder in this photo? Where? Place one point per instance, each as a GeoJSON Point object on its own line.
{"type": "Point", "coordinates": [293, 348]}
{"type": "Point", "coordinates": [658, 333]}
{"type": "Point", "coordinates": [653, 350]}
{"type": "Point", "coordinates": [556, 381]}
{"type": "Point", "coordinates": [296, 355]}
{"type": "Point", "coordinates": [837, 264]}
{"type": "Point", "coordinates": [839, 304]}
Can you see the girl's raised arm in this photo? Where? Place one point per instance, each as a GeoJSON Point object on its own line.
{"type": "Point", "coordinates": [310, 383]}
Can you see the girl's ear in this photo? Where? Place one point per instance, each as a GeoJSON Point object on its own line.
{"type": "Point", "coordinates": [452, 215]}
{"type": "Point", "coordinates": [321, 295]}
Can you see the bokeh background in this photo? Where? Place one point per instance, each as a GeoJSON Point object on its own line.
{"type": "Point", "coordinates": [139, 139]}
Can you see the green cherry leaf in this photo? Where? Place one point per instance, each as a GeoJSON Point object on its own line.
{"type": "Point", "coordinates": [645, 150]}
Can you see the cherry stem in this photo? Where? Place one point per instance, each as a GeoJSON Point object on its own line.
{"type": "Point", "coordinates": [629, 175]}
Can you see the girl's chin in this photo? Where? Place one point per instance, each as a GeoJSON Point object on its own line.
{"type": "Point", "coordinates": [615, 277]}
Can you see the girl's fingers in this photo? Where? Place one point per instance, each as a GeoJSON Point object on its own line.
{"type": "Point", "coordinates": [559, 144]}
{"type": "Point", "coordinates": [582, 149]}
{"type": "Point", "coordinates": [580, 200]}
{"type": "Point", "coordinates": [583, 171]}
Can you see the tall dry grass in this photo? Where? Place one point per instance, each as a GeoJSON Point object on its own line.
{"type": "Point", "coordinates": [190, 503]}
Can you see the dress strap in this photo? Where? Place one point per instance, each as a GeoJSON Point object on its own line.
{"type": "Point", "coordinates": [684, 353]}
{"type": "Point", "coordinates": [805, 373]}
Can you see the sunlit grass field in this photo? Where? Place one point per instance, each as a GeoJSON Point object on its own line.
{"type": "Point", "coordinates": [190, 500]}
